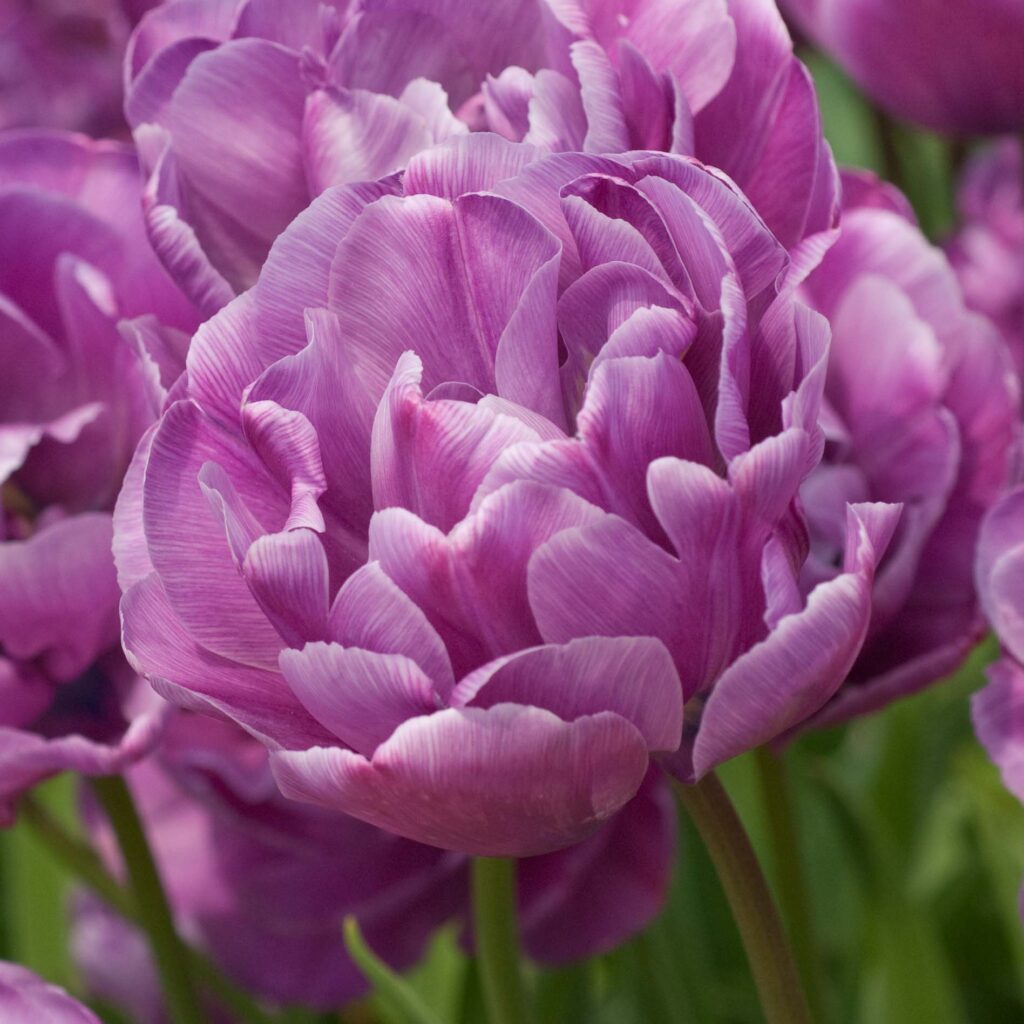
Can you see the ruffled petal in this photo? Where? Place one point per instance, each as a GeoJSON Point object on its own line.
{"type": "Point", "coordinates": [503, 782]}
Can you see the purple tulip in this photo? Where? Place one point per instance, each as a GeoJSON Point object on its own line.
{"type": "Point", "coordinates": [26, 999]}
{"type": "Point", "coordinates": [921, 408]}
{"type": "Point", "coordinates": [79, 387]}
{"type": "Point", "coordinates": [60, 63]}
{"type": "Point", "coordinates": [559, 555]}
{"type": "Point", "coordinates": [245, 110]}
{"type": "Point", "coordinates": [987, 251]}
{"type": "Point", "coordinates": [955, 67]}
{"type": "Point", "coordinates": [263, 884]}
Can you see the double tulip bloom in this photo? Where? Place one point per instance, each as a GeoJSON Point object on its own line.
{"type": "Point", "coordinates": [464, 592]}
{"type": "Point", "coordinates": [92, 331]}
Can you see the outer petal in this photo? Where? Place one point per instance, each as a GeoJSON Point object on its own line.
{"type": "Point", "coordinates": [27, 758]}
{"type": "Point", "coordinates": [756, 87]}
{"type": "Point", "coordinates": [188, 674]}
{"type": "Point", "coordinates": [173, 239]}
{"type": "Point", "coordinates": [1000, 570]}
{"type": "Point", "coordinates": [506, 781]}
{"type": "Point", "coordinates": [788, 676]}
{"type": "Point", "coordinates": [223, 158]}
{"type": "Point", "coordinates": [187, 542]}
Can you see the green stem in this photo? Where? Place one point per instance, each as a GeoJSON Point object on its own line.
{"type": "Point", "coordinates": [753, 910]}
{"type": "Point", "coordinates": [789, 874]}
{"type": "Point", "coordinates": [151, 906]}
{"type": "Point", "coordinates": [497, 939]}
{"type": "Point", "coordinates": [78, 857]}
{"type": "Point", "coordinates": [81, 862]}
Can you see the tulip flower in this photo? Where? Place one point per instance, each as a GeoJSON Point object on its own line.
{"type": "Point", "coordinates": [462, 594]}
{"type": "Point", "coordinates": [921, 408]}
{"type": "Point", "coordinates": [954, 67]}
{"type": "Point", "coordinates": [987, 251]}
{"type": "Point", "coordinates": [79, 388]}
{"type": "Point", "coordinates": [26, 999]}
{"type": "Point", "coordinates": [244, 111]}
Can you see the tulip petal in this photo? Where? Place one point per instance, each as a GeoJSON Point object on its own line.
{"type": "Point", "coordinates": [466, 163]}
{"type": "Point", "coordinates": [430, 457]}
{"type": "Point", "coordinates": [421, 270]}
{"type": "Point", "coordinates": [288, 575]}
{"type": "Point", "coordinates": [371, 612]}
{"type": "Point", "coordinates": [186, 673]}
{"type": "Point", "coordinates": [788, 676]}
{"type": "Point", "coordinates": [222, 157]}
{"type": "Point", "coordinates": [632, 676]}
{"type": "Point", "coordinates": [471, 584]}
{"type": "Point", "coordinates": [503, 782]}
{"type": "Point", "coordinates": [997, 711]}
{"type": "Point", "coordinates": [361, 696]}
{"type": "Point", "coordinates": [352, 135]}
{"type": "Point", "coordinates": [187, 543]}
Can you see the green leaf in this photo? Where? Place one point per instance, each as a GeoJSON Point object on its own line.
{"type": "Point", "coordinates": [402, 999]}
{"type": "Point", "coordinates": [35, 892]}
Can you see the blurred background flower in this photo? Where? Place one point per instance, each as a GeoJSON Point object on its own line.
{"type": "Point", "coordinates": [92, 333]}
{"type": "Point", "coordinates": [953, 66]}
{"type": "Point", "coordinates": [987, 250]}
{"type": "Point", "coordinates": [26, 999]}
{"type": "Point", "coordinates": [60, 63]}
{"type": "Point", "coordinates": [922, 408]}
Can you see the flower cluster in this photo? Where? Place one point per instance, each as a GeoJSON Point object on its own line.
{"type": "Point", "coordinates": [433, 438]}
